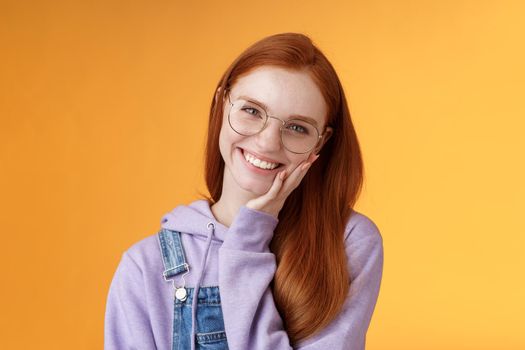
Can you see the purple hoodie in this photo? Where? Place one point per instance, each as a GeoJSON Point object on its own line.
{"type": "Point", "coordinates": [139, 311]}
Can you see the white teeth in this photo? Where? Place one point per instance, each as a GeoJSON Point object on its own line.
{"type": "Point", "coordinates": [260, 163]}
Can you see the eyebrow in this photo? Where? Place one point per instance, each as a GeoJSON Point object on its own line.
{"type": "Point", "coordinates": [293, 116]}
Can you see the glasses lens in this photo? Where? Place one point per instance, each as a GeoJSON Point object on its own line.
{"type": "Point", "coordinates": [299, 136]}
{"type": "Point", "coordinates": [247, 118]}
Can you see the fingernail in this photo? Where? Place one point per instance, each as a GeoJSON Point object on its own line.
{"type": "Point", "coordinates": [306, 166]}
{"type": "Point", "coordinates": [282, 174]}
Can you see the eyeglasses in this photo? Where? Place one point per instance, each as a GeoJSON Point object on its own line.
{"type": "Point", "coordinates": [248, 118]}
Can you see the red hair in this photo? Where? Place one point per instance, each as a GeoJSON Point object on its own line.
{"type": "Point", "coordinates": [308, 241]}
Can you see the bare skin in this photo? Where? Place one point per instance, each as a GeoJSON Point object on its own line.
{"type": "Point", "coordinates": [286, 94]}
{"type": "Point", "coordinates": [272, 201]}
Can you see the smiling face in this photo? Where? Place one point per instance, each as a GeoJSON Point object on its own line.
{"type": "Point", "coordinates": [252, 162]}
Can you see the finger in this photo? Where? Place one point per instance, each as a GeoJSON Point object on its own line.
{"type": "Point", "coordinates": [304, 165]}
{"type": "Point", "coordinates": [275, 188]}
{"type": "Point", "coordinates": [313, 157]}
{"type": "Point", "coordinates": [272, 193]}
{"type": "Point", "coordinates": [294, 179]}
{"type": "Point", "coordinates": [308, 162]}
{"type": "Point", "coordinates": [276, 185]}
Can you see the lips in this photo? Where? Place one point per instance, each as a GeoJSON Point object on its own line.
{"type": "Point", "coordinates": [260, 162]}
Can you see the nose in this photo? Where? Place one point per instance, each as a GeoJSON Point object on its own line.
{"type": "Point", "coordinates": [269, 139]}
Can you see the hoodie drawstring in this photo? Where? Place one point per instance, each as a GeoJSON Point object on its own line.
{"type": "Point", "coordinates": [197, 286]}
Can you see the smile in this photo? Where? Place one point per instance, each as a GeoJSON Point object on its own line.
{"type": "Point", "coordinates": [262, 164]}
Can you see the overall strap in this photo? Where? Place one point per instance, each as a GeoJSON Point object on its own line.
{"type": "Point", "coordinates": [172, 253]}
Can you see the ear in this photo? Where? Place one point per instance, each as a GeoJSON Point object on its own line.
{"type": "Point", "coordinates": [327, 134]}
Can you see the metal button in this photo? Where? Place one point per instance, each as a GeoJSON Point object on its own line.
{"type": "Point", "coordinates": [181, 294]}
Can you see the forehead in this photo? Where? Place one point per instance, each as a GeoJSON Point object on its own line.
{"type": "Point", "coordinates": [284, 92]}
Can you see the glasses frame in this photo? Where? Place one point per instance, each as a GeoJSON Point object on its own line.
{"type": "Point", "coordinates": [283, 123]}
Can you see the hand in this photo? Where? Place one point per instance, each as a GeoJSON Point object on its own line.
{"type": "Point", "coordinates": [272, 201]}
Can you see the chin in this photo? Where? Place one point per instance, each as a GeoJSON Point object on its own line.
{"type": "Point", "coordinates": [258, 188]}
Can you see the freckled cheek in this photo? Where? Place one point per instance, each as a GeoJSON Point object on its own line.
{"type": "Point", "coordinates": [228, 140]}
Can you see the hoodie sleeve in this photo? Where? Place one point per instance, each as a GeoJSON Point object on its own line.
{"type": "Point", "coordinates": [127, 324]}
{"type": "Point", "coordinates": [247, 267]}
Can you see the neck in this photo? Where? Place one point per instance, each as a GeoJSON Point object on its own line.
{"type": "Point", "coordinates": [232, 199]}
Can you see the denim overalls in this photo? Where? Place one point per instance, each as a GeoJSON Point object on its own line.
{"type": "Point", "coordinates": [209, 322]}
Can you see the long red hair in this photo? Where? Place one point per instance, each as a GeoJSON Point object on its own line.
{"type": "Point", "coordinates": [312, 281]}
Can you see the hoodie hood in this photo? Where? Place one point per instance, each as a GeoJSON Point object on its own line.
{"type": "Point", "coordinates": [194, 220]}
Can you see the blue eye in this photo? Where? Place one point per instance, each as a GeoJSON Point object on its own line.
{"type": "Point", "coordinates": [252, 111]}
{"type": "Point", "coordinates": [298, 129]}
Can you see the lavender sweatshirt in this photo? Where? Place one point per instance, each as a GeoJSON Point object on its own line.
{"type": "Point", "coordinates": [139, 310]}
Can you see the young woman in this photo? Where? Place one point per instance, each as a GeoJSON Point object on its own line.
{"type": "Point", "coordinates": [277, 256]}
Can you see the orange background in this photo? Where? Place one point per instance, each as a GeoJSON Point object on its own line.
{"type": "Point", "coordinates": [103, 115]}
